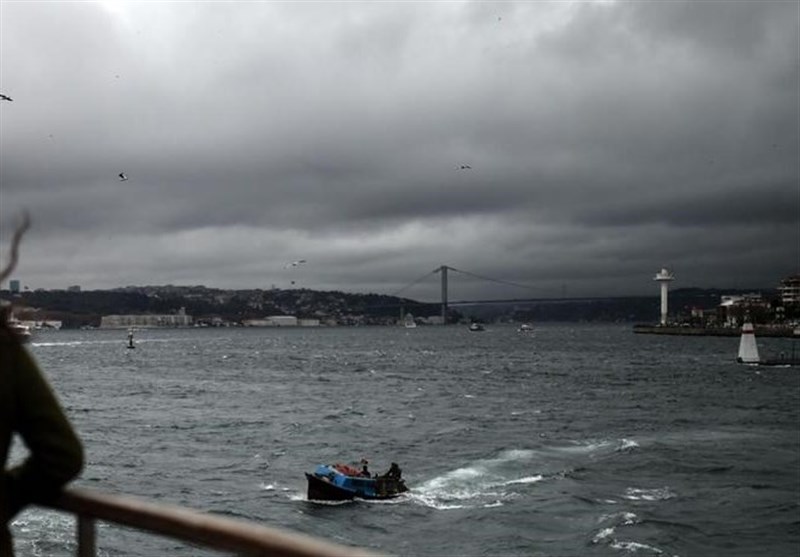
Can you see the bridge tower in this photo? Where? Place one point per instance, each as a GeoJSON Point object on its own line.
{"type": "Point", "coordinates": [443, 270]}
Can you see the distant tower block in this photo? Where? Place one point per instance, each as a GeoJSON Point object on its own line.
{"type": "Point", "coordinates": [664, 277]}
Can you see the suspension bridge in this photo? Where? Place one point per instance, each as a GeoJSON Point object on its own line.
{"type": "Point", "coordinates": [445, 270]}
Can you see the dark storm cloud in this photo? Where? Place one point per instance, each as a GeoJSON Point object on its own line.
{"type": "Point", "coordinates": [748, 204]}
{"type": "Point", "coordinates": [605, 139]}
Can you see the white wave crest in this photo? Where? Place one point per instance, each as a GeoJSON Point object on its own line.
{"type": "Point", "coordinates": [621, 518]}
{"type": "Point", "coordinates": [627, 445]}
{"type": "Point", "coordinates": [527, 480]}
{"type": "Point", "coordinates": [634, 547]}
{"type": "Point", "coordinates": [602, 535]}
{"type": "Point", "coordinates": [657, 494]}
{"type": "Point", "coordinates": [434, 503]}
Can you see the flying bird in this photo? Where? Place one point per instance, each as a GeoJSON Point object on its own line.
{"type": "Point", "coordinates": [5, 97]}
{"type": "Point", "coordinates": [294, 263]}
{"type": "Point", "coordinates": [464, 167]}
{"type": "Point", "coordinates": [122, 177]}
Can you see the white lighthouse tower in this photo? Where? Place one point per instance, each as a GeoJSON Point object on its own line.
{"type": "Point", "coordinates": [664, 277]}
{"type": "Point", "coordinates": [748, 349]}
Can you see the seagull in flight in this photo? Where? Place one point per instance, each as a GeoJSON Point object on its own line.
{"type": "Point", "coordinates": [122, 177]}
{"type": "Point", "coordinates": [294, 263]}
{"type": "Point", "coordinates": [5, 97]}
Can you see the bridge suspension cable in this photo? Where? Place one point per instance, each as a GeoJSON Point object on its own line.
{"type": "Point", "coordinates": [499, 281]}
{"type": "Point", "coordinates": [444, 268]}
{"type": "Point", "coordinates": [420, 279]}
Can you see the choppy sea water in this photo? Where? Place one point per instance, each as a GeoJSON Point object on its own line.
{"type": "Point", "coordinates": [576, 440]}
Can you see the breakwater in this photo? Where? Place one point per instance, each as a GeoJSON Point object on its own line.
{"type": "Point", "coordinates": [762, 331]}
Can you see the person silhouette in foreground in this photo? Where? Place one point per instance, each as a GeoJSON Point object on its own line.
{"type": "Point", "coordinates": [29, 408]}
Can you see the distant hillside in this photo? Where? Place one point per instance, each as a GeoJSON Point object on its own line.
{"type": "Point", "coordinates": [77, 309]}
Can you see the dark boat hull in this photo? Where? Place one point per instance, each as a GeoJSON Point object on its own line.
{"type": "Point", "coordinates": [322, 489]}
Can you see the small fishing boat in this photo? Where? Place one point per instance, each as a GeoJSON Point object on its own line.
{"type": "Point", "coordinates": [525, 328]}
{"type": "Point", "coordinates": [340, 482]}
{"type": "Point", "coordinates": [474, 327]}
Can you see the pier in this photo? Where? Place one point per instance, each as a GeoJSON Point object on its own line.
{"type": "Point", "coordinates": [761, 331]}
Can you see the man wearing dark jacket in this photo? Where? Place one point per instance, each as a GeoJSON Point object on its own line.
{"type": "Point", "coordinates": [29, 408]}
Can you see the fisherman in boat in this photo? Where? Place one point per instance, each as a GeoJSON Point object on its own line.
{"type": "Point", "coordinates": [364, 469]}
{"type": "Point", "coordinates": [394, 472]}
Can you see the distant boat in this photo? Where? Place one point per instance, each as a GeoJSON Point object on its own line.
{"type": "Point", "coordinates": [748, 351]}
{"type": "Point", "coordinates": [408, 322]}
{"type": "Point", "coordinates": [525, 328]}
{"type": "Point", "coordinates": [20, 329]}
{"type": "Point", "coordinates": [475, 327]}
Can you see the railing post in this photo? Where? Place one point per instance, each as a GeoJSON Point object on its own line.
{"type": "Point", "coordinates": [86, 536]}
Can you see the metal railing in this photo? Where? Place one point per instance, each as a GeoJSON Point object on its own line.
{"type": "Point", "coordinates": [196, 528]}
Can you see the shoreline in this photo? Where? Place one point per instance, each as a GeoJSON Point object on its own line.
{"type": "Point", "coordinates": [779, 332]}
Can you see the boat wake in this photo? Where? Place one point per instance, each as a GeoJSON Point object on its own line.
{"type": "Point", "coordinates": [484, 483]}
{"type": "Point", "coordinates": [76, 343]}
{"type": "Point", "coordinates": [493, 482]}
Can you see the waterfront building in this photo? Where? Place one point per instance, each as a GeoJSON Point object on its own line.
{"type": "Point", "coordinates": [790, 290]}
{"type": "Point", "coordinates": [733, 309]}
{"type": "Point", "coordinates": [281, 321]}
{"type": "Point", "coordinates": [256, 323]}
{"type": "Point", "coordinates": [147, 321]}
{"type": "Point", "coordinates": [53, 324]}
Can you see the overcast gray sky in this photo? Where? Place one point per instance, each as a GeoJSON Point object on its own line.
{"type": "Point", "coordinates": [605, 139]}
